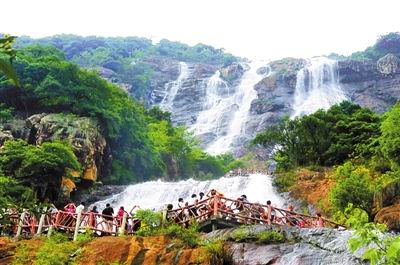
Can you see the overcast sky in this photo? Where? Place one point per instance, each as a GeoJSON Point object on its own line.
{"type": "Point", "coordinates": [264, 29]}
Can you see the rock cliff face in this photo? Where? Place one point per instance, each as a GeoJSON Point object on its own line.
{"type": "Point", "coordinates": [312, 246]}
{"type": "Point", "coordinates": [275, 94]}
{"type": "Point", "coordinates": [83, 134]}
{"type": "Point", "coordinates": [371, 84]}
{"type": "Point", "coordinates": [190, 96]}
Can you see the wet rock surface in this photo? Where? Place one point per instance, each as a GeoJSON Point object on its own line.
{"type": "Point", "coordinates": [311, 246]}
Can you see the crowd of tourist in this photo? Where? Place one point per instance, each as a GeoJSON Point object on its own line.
{"type": "Point", "coordinates": [201, 207]}
{"type": "Point", "coordinates": [197, 209]}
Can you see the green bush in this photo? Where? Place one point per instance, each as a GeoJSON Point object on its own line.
{"type": "Point", "coordinates": [353, 185]}
{"type": "Point", "coordinates": [284, 181]}
{"type": "Point", "coordinates": [189, 236]}
{"type": "Point", "coordinates": [57, 250]}
{"type": "Point", "coordinates": [241, 234]}
{"type": "Point", "coordinates": [377, 245]}
{"type": "Point", "coordinates": [218, 253]}
{"type": "Point", "coordinates": [150, 222]}
{"type": "Point", "coordinates": [351, 217]}
{"type": "Point", "coordinates": [270, 237]}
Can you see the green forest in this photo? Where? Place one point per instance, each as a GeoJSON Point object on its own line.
{"type": "Point", "coordinates": [126, 57]}
{"type": "Point", "coordinates": [362, 146]}
{"type": "Point", "coordinates": [142, 144]}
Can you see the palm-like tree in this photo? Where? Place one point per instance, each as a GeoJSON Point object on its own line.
{"type": "Point", "coordinates": [6, 50]}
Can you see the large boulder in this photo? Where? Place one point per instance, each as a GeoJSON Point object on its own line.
{"type": "Point", "coordinates": [390, 216]}
{"type": "Point", "coordinates": [387, 196]}
{"type": "Point", "coordinates": [388, 64]}
{"type": "Point", "coordinates": [311, 246]}
{"type": "Point", "coordinates": [233, 72]}
{"type": "Point", "coordinates": [81, 132]}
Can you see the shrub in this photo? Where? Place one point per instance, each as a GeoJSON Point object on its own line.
{"type": "Point", "coordinates": [285, 181]}
{"type": "Point", "coordinates": [378, 246]}
{"type": "Point", "coordinates": [241, 234]}
{"type": "Point", "coordinates": [150, 222]}
{"type": "Point", "coordinates": [218, 253]}
{"type": "Point", "coordinates": [352, 186]}
{"type": "Point", "coordinates": [351, 217]}
{"type": "Point", "coordinates": [189, 236]}
{"type": "Point", "coordinates": [57, 250]}
{"type": "Point", "coordinates": [270, 237]}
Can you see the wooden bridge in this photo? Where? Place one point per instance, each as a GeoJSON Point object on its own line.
{"type": "Point", "coordinates": [28, 225]}
{"type": "Point", "coordinates": [215, 212]}
{"type": "Point", "coordinates": [219, 212]}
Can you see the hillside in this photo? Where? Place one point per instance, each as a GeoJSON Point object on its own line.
{"type": "Point", "coordinates": [114, 138]}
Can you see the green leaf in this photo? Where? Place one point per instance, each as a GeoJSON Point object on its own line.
{"type": "Point", "coordinates": [9, 71]}
{"type": "Point", "coordinates": [355, 243]}
{"type": "Point", "coordinates": [372, 255]}
{"type": "Point", "coordinates": [393, 250]}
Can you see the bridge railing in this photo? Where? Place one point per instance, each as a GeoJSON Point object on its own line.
{"type": "Point", "coordinates": [243, 212]}
{"type": "Point", "coordinates": [27, 225]}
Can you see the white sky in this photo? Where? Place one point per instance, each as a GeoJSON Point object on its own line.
{"type": "Point", "coordinates": [264, 29]}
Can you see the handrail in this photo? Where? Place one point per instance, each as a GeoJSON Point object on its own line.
{"type": "Point", "coordinates": [244, 212]}
{"type": "Point", "coordinates": [66, 221]}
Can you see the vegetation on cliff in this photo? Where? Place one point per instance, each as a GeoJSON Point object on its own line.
{"type": "Point", "coordinates": [125, 58]}
{"type": "Point", "coordinates": [389, 43]}
{"type": "Point", "coordinates": [361, 146]}
{"type": "Point", "coordinates": [141, 144]}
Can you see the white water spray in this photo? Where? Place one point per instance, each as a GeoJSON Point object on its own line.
{"type": "Point", "coordinates": [155, 194]}
{"type": "Point", "coordinates": [241, 100]}
{"type": "Point", "coordinates": [317, 87]}
{"type": "Point", "coordinates": [173, 87]}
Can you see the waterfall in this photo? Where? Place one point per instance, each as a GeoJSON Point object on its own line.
{"type": "Point", "coordinates": [317, 87]}
{"type": "Point", "coordinates": [172, 88]}
{"type": "Point", "coordinates": [225, 114]}
{"type": "Point", "coordinates": [217, 104]}
{"type": "Point", "coordinates": [155, 194]}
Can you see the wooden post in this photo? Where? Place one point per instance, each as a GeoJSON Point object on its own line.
{"type": "Point", "coordinates": [123, 224]}
{"type": "Point", "coordinates": [41, 222]}
{"type": "Point", "coordinates": [20, 224]}
{"type": "Point", "coordinates": [215, 205]}
{"type": "Point", "coordinates": [78, 224]}
{"type": "Point", "coordinates": [50, 231]}
{"type": "Point", "coordinates": [164, 215]}
{"type": "Point", "coordinates": [40, 227]}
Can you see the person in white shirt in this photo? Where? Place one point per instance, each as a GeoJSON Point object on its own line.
{"type": "Point", "coordinates": [80, 208]}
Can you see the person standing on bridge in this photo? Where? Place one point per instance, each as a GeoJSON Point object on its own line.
{"type": "Point", "coordinates": [80, 208]}
{"type": "Point", "coordinates": [108, 213]}
{"type": "Point", "coordinates": [271, 212]}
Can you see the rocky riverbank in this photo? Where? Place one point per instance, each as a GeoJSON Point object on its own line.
{"type": "Point", "coordinates": [303, 246]}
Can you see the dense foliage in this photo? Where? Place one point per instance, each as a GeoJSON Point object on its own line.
{"type": "Point", "coordinates": [7, 55]}
{"type": "Point", "coordinates": [361, 145]}
{"type": "Point", "coordinates": [39, 167]}
{"type": "Point", "coordinates": [127, 59]}
{"type": "Point", "coordinates": [323, 138]}
{"type": "Point", "coordinates": [142, 144]}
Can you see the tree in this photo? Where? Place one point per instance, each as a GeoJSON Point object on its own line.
{"type": "Point", "coordinates": [353, 185]}
{"type": "Point", "coordinates": [7, 50]}
{"type": "Point", "coordinates": [39, 167]}
{"type": "Point", "coordinates": [390, 139]}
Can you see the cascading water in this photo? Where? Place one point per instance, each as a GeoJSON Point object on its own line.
{"type": "Point", "coordinates": [317, 87]}
{"type": "Point", "coordinates": [155, 194]}
{"type": "Point", "coordinates": [173, 87]}
{"type": "Point", "coordinates": [210, 119]}
{"type": "Point", "coordinates": [217, 104]}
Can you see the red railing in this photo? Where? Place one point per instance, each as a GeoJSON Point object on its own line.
{"type": "Point", "coordinates": [65, 221]}
{"type": "Point", "coordinates": [243, 212]}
